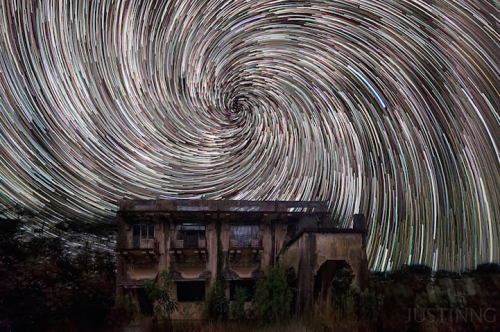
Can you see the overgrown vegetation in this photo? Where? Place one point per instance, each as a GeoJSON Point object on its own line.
{"type": "Point", "coordinates": [216, 304]}
{"type": "Point", "coordinates": [161, 294]}
{"type": "Point", "coordinates": [122, 313]}
{"type": "Point", "coordinates": [238, 305]}
{"type": "Point", "coordinates": [350, 301]}
{"type": "Point", "coordinates": [273, 296]}
{"type": "Point", "coordinates": [47, 283]}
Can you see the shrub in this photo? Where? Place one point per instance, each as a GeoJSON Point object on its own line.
{"type": "Point", "coordinates": [162, 293]}
{"type": "Point", "coordinates": [365, 303]}
{"type": "Point", "coordinates": [122, 313]}
{"type": "Point", "coordinates": [216, 303]}
{"type": "Point", "coordinates": [340, 286]}
{"type": "Point", "coordinates": [238, 306]}
{"type": "Point", "coordinates": [273, 296]}
{"type": "Point", "coordinates": [350, 300]}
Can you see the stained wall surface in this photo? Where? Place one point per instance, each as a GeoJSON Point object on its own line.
{"type": "Point", "coordinates": [306, 253]}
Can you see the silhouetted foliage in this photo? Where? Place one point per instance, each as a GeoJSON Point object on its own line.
{"type": "Point", "coordinates": [273, 295]}
{"type": "Point", "coordinates": [161, 293]}
{"type": "Point", "coordinates": [45, 282]}
{"type": "Point", "coordinates": [216, 303]}
{"type": "Point", "coordinates": [238, 305]}
{"type": "Point", "coordinates": [488, 268]}
{"type": "Point", "coordinates": [340, 286]}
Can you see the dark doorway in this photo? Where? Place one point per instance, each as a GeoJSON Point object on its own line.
{"type": "Point", "coordinates": [324, 277]}
{"type": "Point", "coordinates": [291, 279]}
{"type": "Point", "coordinates": [190, 291]}
{"type": "Point", "coordinates": [145, 304]}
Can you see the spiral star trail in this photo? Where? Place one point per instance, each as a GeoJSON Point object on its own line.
{"type": "Point", "coordinates": [387, 108]}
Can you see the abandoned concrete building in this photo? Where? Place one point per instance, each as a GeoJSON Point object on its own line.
{"type": "Point", "coordinates": [181, 236]}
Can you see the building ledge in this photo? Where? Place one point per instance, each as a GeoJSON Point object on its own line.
{"type": "Point", "coordinates": [134, 252]}
{"type": "Point", "coordinates": [191, 254]}
{"type": "Point", "coordinates": [325, 231]}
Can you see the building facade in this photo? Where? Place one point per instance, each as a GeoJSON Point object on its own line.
{"type": "Point", "coordinates": [181, 236]}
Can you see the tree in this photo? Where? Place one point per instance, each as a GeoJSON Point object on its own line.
{"type": "Point", "coordinates": [162, 293]}
{"type": "Point", "coordinates": [273, 295]}
{"type": "Point", "coordinates": [216, 303]}
{"type": "Point", "coordinates": [238, 306]}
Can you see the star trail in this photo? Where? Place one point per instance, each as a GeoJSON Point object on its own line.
{"type": "Point", "coordinates": [387, 108]}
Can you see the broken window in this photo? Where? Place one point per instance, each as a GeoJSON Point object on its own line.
{"type": "Point", "coordinates": [190, 291]}
{"type": "Point", "coordinates": [245, 236]}
{"type": "Point", "coordinates": [248, 285]}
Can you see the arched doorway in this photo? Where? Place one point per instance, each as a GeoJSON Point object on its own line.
{"type": "Point", "coordinates": [323, 279]}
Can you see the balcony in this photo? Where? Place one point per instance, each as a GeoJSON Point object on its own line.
{"type": "Point", "coordinates": [245, 241]}
{"type": "Point", "coordinates": [182, 241]}
{"type": "Point", "coordinates": [188, 249]}
{"type": "Point", "coordinates": [127, 244]}
{"type": "Point", "coordinates": [244, 250]}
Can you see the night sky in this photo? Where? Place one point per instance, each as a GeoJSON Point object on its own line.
{"type": "Point", "coordinates": [387, 108]}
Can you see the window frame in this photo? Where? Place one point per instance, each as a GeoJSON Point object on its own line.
{"type": "Point", "coordinates": [144, 228]}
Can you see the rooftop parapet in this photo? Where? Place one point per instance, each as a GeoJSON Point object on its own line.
{"type": "Point", "coordinates": [171, 205]}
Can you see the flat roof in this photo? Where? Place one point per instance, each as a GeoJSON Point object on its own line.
{"type": "Point", "coordinates": [171, 205]}
{"type": "Point", "coordinates": [204, 211]}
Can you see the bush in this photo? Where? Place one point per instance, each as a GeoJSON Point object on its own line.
{"type": "Point", "coordinates": [238, 306]}
{"type": "Point", "coordinates": [162, 293]}
{"type": "Point", "coordinates": [365, 303]}
{"type": "Point", "coordinates": [273, 296]}
{"type": "Point", "coordinates": [340, 286]}
{"type": "Point", "coordinates": [216, 303]}
{"type": "Point", "coordinates": [350, 300]}
{"type": "Point", "coordinates": [122, 313]}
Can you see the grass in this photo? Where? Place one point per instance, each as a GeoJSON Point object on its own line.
{"type": "Point", "coordinates": [321, 319]}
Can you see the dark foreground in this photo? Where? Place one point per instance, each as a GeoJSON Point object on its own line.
{"type": "Point", "coordinates": [46, 286]}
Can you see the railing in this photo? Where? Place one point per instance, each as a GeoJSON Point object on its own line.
{"type": "Point", "coordinates": [135, 242]}
{"type": "Point", "coordinates": [188, 241]}
{"type": "Point", "coordinates": [245, 241]}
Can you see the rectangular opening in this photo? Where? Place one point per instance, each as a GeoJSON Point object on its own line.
{"type": "Point", "coordinates": [189, 236]}
{"type": "Point", "coordinates": [190, 291]}
{"type": "Point", "coordinates": [151, 231]}
{"type": "Point", "coordinates": [248, 285]}
{"type": "Point", "coordinates": [144, 231]}
{"type": "Point", "coordinates": [145, 303]}
{"type": "Point", "coordinates": [244, 236]}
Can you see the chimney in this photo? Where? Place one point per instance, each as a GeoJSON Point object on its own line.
{"type": "Point", "coordinates": [359, 223]}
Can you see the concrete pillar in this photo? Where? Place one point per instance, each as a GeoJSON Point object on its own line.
{"type": "Point", "coordinates": [211, 238]}
{"type": "Point", "coordinates": [359, 222]}
{"type": "Point", "coordinates": [307, 263]}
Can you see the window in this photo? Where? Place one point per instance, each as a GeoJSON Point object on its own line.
{"type": "Point", "coordinates": [189, 236]}
{"type": "Point", "coordinates": [190, 291]}
{"type": "Point", "coordinates": [242, 236]}
{"type": "Point", "coordinates": [248, 285]}
{"type": "Point", "coordinates": [144, 231]}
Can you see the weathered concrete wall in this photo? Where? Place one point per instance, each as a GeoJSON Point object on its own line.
{"type": "Point", "coordinates": [211, 236]}
{"type": "Point", "coordinates": [161, 234]}
{"type": "Point", "coordinates": [313, 249]}
{"type": "Point", "coordinates": [281, 229]}
{"type": "Point", "coordinates": [348, 247]}
{"type": "Point", "coordinates": [267, 243]}
{"type": "Point", "coordinates": [306, 255]}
